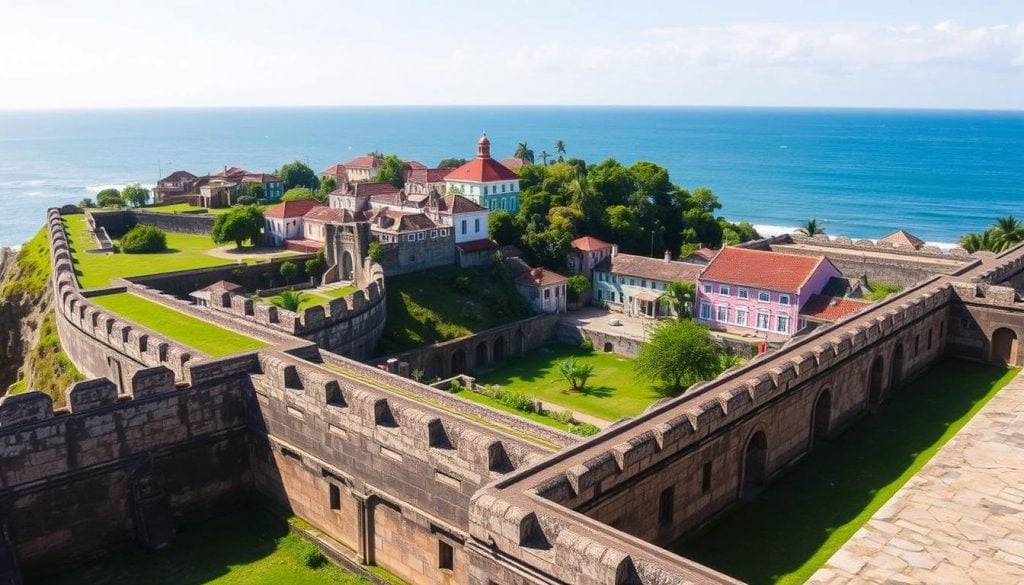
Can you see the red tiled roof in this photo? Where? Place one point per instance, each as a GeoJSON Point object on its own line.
{"type": "Point", "coordinates": [335, 170]}
{"type": "Point", "coordinates": [705, 253]}
{"type": "Point", "coordinates": [759, 269]}
{"type": "Point", "coordinates": [234, 172]}
{"type": "Point", "coordinates": [589, 244]}
{"type": "Point", "coordinates": [653, 268]}
{"type": "Point", "coordinates": [477, 245]}
{"type": "Point", "coordinates": [303, 246]}
{"type": "Point", "coordinates": [426, 175]}
{"type": "Point", "coordinates": [512, 163]}
{"type": "Point", "coordinates": [375, 189]}
{"type": "Point", "coordinates": [415, 165]}
{"type": "Point", "coordinates": [540, 277]}
{"type": "Point", "coordinates": [400, 221]}
{"type": "Point", "coordinates": [481, 170]}
{"type": "Point", "coordinates": [292, 208]}
{"type": "Point", "coordinates": [328, 214]}
{"type": "Point", "coordinates": [455, 204]}
{"type": "Point", "coordinates": [830, 308]}
{"type": "Point", "coordinates": [363, 162]}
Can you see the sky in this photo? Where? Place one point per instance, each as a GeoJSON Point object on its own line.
{"type": "Point", "coordinates": [202, 53]}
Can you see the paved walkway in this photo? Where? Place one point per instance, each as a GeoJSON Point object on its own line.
{"type": "Point", "coordinates": [959, 520]}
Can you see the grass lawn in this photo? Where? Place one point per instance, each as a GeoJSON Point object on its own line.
{"type": "Point", "coordinates": [248, 546]}
{"type": "Point", "coordinates": [610, 394]}
{"type": "Point", "coordinates": [808, 514]}
{"type": "Point", "coordinates": [447, 302]}
{"type": "Point", "coordinates": [488, 401]}
{"type": "Point", "coordinates": [196, 333]}
{"type": "Point", "coordinates": [184, 251]}
{"type": "Point", "coordinates": [185, 207]}
{"type": "Point", "coordinates": [315, 297]}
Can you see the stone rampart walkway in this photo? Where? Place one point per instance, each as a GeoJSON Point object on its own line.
{"type": "Point", "coordinates": [959, 520]}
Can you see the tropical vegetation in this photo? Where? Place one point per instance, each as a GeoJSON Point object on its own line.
{"type": "Point", "coordinates": [678, 354]}
{"type": "Point", "coordinates": [680, 296]}
{"type": "Point", "coordinates": [811, 227]}
{"type": "Point", "coordinates": [1005, 233]}
{"type": "Point", "coordinates": [575, 373]}
{"type": "Point", "coordinates": [289, 300]}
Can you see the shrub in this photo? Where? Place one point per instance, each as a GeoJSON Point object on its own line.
{"type": "Point", "coordinates": [455, 386]}
{"type": "Point", "coordinates": [109, 198]}
{"type": "Point", "coordinates": [563, 416]}
{"type": "Point", "coordinates": [375, 252]}
{"type": "Point", "coordinates": [87, 203]}
{"type": "Point", "coordinates": [463, 283]}
{"type": "Point", "coordinates": [516, 400]}
{"type": "Point", "coordinates": [584, 429]}
{"type": "Point", "coordinates": [289, 270]}
{"type": "Point", "coordinates": [144, 238]}
{"type": "Point", "coordinates": [245, 199]}
{"type": "Point", "coordinates": [311, 556]}
{"type": "Point", "coordinates": [587, 344]}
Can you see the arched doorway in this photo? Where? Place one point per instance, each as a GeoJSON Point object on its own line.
{"type": "Point", "coordinates": [481, 355]}
{"type": "Point", "coordinates": [608, 347]}
{"type": "Point", "coordinates": [346, 266]}
{"type": "Point", "coordinates": [896, 369]}
{"type": "Point", "coordinates": [521, 342]}
{"type": "Point", "coordinates": [458, 362]}
{"type": "Point", "coordinates": [1004, 347]}
{"type": "Point", "coordinates": [498, 350]}
{"type": "Point", "coordinates": [754, 472]}
{"type": "Point", "coordinates": [875, 381]}
{"type": "Point", "coordinates": [821, 418]}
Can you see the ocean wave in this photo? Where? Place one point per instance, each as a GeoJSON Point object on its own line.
{"type": "Point", "coordinates": [20, 184]}
{"type": "Point", "coordinates": [768, 231]}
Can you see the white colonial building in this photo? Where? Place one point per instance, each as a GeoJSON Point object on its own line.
{"type": "Point", "coordinates": [485, 181]}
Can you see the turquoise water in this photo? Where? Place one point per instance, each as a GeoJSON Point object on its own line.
{"type": "Point", "coordinates": [864, 172]}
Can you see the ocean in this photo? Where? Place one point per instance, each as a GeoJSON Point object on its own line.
{"type": "Point", "coordinates": [863, 173]}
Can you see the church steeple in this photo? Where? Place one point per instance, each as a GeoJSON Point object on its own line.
{"type": "Point", "coordinates": [483, 147]}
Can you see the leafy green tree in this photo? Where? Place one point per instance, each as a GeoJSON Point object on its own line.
{"type": "Point", "coordinates": [109, 198]}
{"type": "Point", "coordinates": [577, 285]}
{"type": "Point", "coordinates": [575, 373]}
{"type": "Point", "coordinates": [297, 194]}
{"type": "Point", "coordinates": [297, 174]}
{"type": "Point", "coordinates": [238, 225]}
{"type": "Point", "coordinates": [679, 353]}
{"type": "Point", "coordinates": [288, 300]}
{"type": "Point", "coordinates": [87, 203]}
{"type": "Point", "coordinates": [135, 195]}
{"type": "Point", "coordinates": [254, 191]}
{"type": "Point", "coordinates": [680, 296]}
{"type": "Point", "coordinates": [327, 186]}
{"type": "Point", "coordinates": [288, 270]}
{"type": "Point", "coordinates": [451, 163]}
{"type": "Point", "coordinates": [143, 238]}
{"type": "Point", "coordinates": [392, 170]}
{"type": "Point", "coordinates": [811, 227]}
{"type": "Point", "coordinates": [524, 153]}
{"type": "Point", "coordinates": [316, 265]}
{"type": "Point", "coordinates": [989, 240]}
{"type": "Point", "coordinates": [375, 252]}
{"type": "Point", "coordinates": [560, 150]}
{"type": "Point", "coordinates": [501, 227]}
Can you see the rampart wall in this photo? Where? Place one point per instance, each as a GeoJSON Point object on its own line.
{"type": "Point", "coordinates": [183, 282]}
{"type": "Point", "coordinates": [120, 221]}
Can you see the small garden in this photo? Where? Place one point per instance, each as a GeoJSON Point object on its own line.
{"type": "Point", "coordinates": [804, 517]}
{"type": "Point", "coordinates": [248, 546]}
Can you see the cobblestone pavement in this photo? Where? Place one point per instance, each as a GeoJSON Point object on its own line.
{"type": "Point", "coordinates": [959, 520]}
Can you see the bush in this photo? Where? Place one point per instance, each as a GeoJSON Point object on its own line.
{"type": "Point", "coordinates": [87, 203]}
{"type": "Point", "coordinates": [463, 283]}
{"type": "Point", "coordinates": [109, 198]}
{"type": "Point", "coordinates": [144, 238]}
{"type": "Point", "coordinates": [563, 416]}
{"type": "Point", "coordinates": [245, 199]}
{"type": "Point", "coordinates": [455, 386]}
{"type": "Point", "coordinates": [312, 557]}
{"type": "Point", "coordinates": [584, 429]}
{"type": "Point", "coordinates": [587, 344]}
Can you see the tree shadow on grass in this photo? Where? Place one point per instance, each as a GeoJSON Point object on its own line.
{"type": "Point", "coordinates": [592, 391]}
{"type": "Point", "coordinates": [763, 541]}
{"type": "Point", "coordinates": [200, 553]}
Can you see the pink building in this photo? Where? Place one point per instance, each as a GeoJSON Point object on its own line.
{"type": "Point", "coordinates": [759, 293]}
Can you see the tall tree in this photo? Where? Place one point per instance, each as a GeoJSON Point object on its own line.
{"type": "Point", "coordinates": [297, 174]}
{"type": "Point", "coordinates": [679, 353]}
{"type": "Point", "coordinates": [544, 156]}
{"type": "Point", "coordinates": [811, 227]}
{"type": "Point", "coordinates": [451, 163]}
{"type": "Point", "coordinates": [1011, 231]}
{"type": "Point", "coordinates": [135, 195]}
{"type": "Point", "coordinates": [524, 153]}
{"type": "Point", "coordinates": [501, 227]}
{"type": "Point", "coordinates": [327, 186]}
{"type": "Point", "coordinates": [680, 296]}
{"type": "Point", "coordinates": [560, 149]}
{"type": "Point", "coordinates": [989, 240]}
{"type": "Point", "coordinates": [392, 170]}
{"type": "Point", "coordinates": [238, 225]}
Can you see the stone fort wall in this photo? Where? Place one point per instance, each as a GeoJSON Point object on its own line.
{"type": "Point", "coordinates": [120, 221]}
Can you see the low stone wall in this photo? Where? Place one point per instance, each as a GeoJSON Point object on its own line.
{"type": "Point", "coordinates": [250, 276]}
{"type": "Point", "coordinates": [479, 350]}
{"type": "Point", "coordinates": [120, 221]}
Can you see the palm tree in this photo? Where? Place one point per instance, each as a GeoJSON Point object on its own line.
{"type": "Point", "coordinates": [560, 149]}
{"type": "Point", "coordinates": [288, 300]}
{"type": "Point", "coordinates": [680, 296]}
{"type": "Point", "coordinates": [989, 240]}
{"type": "Point", "coordinates": [1011, 231]}
{"type": "Point", "coordinates": [544, 156]}
{"type": "Point", "coordinates": [524, 153]}
{"type": "Point", "coordinates": [811, 228]}
{"type": "Point", "coordinates": [575, 373]}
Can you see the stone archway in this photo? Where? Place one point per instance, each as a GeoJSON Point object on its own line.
{"type": "Point", "coordinates": [609, 347]}
{"type": "Point", "coordinates": [458, 362]}
{"type": "Point", "coordinates": [480, 355]}
{"type": "Point", "coordinates": [876, 381]}
{"type": "Point", "coordinates": [498, 349]}
{"type": "Point", "coordinates": [896, 369]}
{"type": "Point", "coordinates": [346, 266]}
{"type": "Point", "coordinates": [754, 470]}
{"type": "Point", "coordinates": [1004, 347]}
{"type": "Point", "coordinates": [821, 418]}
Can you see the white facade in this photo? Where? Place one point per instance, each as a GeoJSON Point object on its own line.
{"type": "Point", "coordinates": [279, 229]}
{"type": "Point", "coordinates": [494, 195]}
{"type": "Point", "coordinates": [468, 227]}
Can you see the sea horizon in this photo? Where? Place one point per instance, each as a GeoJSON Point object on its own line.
{"type": "Point", "coordinates": [862, 172]}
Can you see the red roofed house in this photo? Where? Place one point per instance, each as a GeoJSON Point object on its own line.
{"type": "Point", "coordinates": [760, 293]}
{"type": "Point", "coordinates": [585, 253]}
{"type": "Point", "coordinates": [635, 284]}
{"type": "Point", "coordinates": [284, 221]}
{"type": "Point", "coordinates": [544, 289]}
{"type": "Point", "coordinates": [362, 168]}
{"type": "Point", "coordinates": [485, 181]}
{"type": "Point", "coordinates": [337, 172]}
{"type": "Point", "coordinates": [823, 309]}
{"type": "Point", "coordinates": [174, 187]}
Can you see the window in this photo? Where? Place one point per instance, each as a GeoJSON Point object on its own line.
{"type": "Point", "coordinates": [632, 282]}
{"type": "Point", "coordinates": [485, 190]}
{"type": "Point", "coordinates": [705, 478]}
{"type": "Point", "coordinates": [410, 238]}
{"type": "Point", "coordinates": [762, 320]}
{"type": "Point", "coordinates": [783, 299]}
{"type": "Point", "coordinates": [621, 300]}
{"type": "Point", "coordinates": [503, 190]}
{"type": "Point", "coordinates": [476, 224]}
{"type": "Point", "coordinates": [557, 288]}
{"type": "Point", "coordinates": [599, 295]}
{"type": "Point", "coordinates": [444, 233]}
{"type": "Point", "coordinates": [782, 324]}
{"type": "Point", "coordinates": [723, 314]}
{"type": "Point", "coordinates": [705, 311]}
{"type": "Point", "coordinates": [665, 501]}
{"type": "Point", "coordinates": [723, 290]}
{"type": "Point", "coordinates": [707, 288]}
{"type": "Point", "coordinates": [643, 283]}
{"type": "Point", "coordinates": [763, 296]}
{"type": "Point", "coordinates": [433, 233]}
{"type": "Point", "coordinates": [463, 227]}
{"type": "Point", "coordinates": [742, 293]}
{"type": "Point", "coordinates": [445, 556]}
{"type": "Point", "coordinates": [741, 317]}
{"type": "Point", "coordinates": [421, 235]}
{"type": "Point", "coordinates": [335, 494]}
